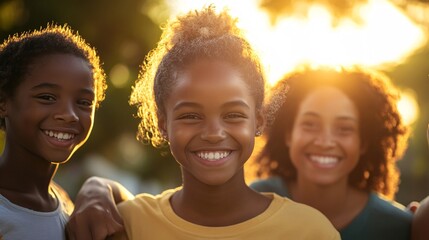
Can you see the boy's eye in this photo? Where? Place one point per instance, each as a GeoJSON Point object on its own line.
{"type": "Point", "coordinates": [86, 103]}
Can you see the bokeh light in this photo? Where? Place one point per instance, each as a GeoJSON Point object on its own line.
{"type": "Point", "coordinates": [408, 106]}
{"type": "Point", "coordinates": [119, 75]}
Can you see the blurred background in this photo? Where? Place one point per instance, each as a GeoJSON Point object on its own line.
{"type": "Point", "coordinates": [391, 36]}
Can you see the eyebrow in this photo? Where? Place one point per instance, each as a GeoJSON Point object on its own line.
{"type": "Point", "coordinates": [45, 85]}
{"type": "Point", "coordinates": [236, 103]}
{"type": "Point", "coordinates": [186, 104]}
{"type": "Point", "coordinates": [313, 114]}
{"type": "Point", "coordinates": [225, 105]}
{"type": "Point", "coordinates": [56, 86]}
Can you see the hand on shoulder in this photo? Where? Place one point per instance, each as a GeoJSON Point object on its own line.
{"type": "Point", "coordinates": [95, 215]}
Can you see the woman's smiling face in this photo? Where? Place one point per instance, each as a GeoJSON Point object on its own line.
{"type": "Point", "coordinates": [325, 143]}
{"type": "Point", "coordinates": [211, 119]}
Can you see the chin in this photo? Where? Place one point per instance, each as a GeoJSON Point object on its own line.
{"type": "Point", "coordinates": [214, 181]}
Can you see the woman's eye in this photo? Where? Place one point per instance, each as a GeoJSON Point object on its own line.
{"type": "Point", "coordinates": [344, 130]}
{"type": "Point", "coordinates": [309, 125]}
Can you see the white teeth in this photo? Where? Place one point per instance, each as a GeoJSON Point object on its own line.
{"type": "Point", "coordinates": [59, 135]}
{"type": "Point", "coordinates": [324, 159]}
{"type": "Point", "coordinates": [213, 156]}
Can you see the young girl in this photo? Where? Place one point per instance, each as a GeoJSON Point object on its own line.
{"type": "Point", "coordinates": [333, 145]}
{"type": "Point", "coordinates": [50, 83]}
{"type": "Point", "coordinates": [202, 90]}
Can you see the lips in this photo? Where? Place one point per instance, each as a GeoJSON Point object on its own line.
{"type": "Point", "coordinates": [61, 136]}
{"type": "Point", "coordinates": [324, 160]}
{"type": "Point", "coordinates": [213, 155]}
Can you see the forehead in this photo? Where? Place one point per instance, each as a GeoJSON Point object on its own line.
{"type": "Point", "coordinates": [58, 71]}
{"type": "Point", "coordinates": [60, 67]}
{"type": "Point", "coordinates": [58, 62]}
{"type": "Point", "coordinates": [209, 83]}
{"type": "Point", "coordinates": [328, 100]}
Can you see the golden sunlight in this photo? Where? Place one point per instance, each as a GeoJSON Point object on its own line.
{"type": "Point", "coordinates": [408, 107]}
{"type": "Point", "coordinates": [384, 35]}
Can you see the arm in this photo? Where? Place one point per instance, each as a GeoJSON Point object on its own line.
{"type": "Point", "coordinates": [421, 221]}
{"type": "Point", "coordinates": [95, 215]}
{"type": "Point", "coordinates": [421, 215]}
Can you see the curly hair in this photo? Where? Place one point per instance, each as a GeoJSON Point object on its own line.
{"type": "Point", "coordinates": [202, 34]}
{"type": "Point", "coordinates": [20, 51]}
{"type": "Point", "coordinates": [382, 130]}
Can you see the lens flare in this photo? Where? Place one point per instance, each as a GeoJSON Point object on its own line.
{"type": "Point", "coordinates": [408, 106]}
{"type": "Point", "coordinates": [383, 36]}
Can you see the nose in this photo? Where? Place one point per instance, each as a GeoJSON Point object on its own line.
{"type": "Point", "coordinates": [66, 113]}
{"type": "Point", "coordinates": [213, 132]}
{"type": "Point", "coordinates": [325, 139]}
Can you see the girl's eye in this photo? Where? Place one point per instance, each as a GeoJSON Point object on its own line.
{"type": "Point", "coordinates": [46, 98]}
{"type": "Point", "coordinates": [189, 116]}
{"type": "Point", "coordinates": [233, 116]}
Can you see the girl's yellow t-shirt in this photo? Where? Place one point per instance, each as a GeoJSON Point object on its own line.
{"type": "Point", "coordinates": [152, 217]}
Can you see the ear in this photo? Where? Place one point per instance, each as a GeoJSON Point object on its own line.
{"type": "Point", "coordinates": [3, 108]}
{"type": "Point", "coordinates": [287, 139]}
{"type": "Point", "coordinates": [260, 122]}
{"type": "Point", "coordinates": [162, 126]}
{"type": "Point", "coordinates": [363, 148]}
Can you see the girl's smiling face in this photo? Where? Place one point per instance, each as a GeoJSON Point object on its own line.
{"type": "Point", "coordinates": [325, 144]}
{"type": "Point", "coordinates": [210, 119]}
{"type": "Point", "coordinates": [50, 114]}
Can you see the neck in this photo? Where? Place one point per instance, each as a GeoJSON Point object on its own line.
{"type": "Point", "coordinates": [25, 180]}
{"type": "Point", "coordinates": [324, 198]}
{"type": "Point", "coordinates": [339, 202]}
{"type": "Point", "coordinates": [220, 205]}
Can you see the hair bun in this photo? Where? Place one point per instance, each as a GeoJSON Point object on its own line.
{"type": "Point", "coordinates": [203, 25]}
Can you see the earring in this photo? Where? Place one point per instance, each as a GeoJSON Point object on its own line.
{"type": "Point", "coordinates": [258, 133]}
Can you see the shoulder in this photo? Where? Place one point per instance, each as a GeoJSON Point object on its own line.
{"type": "Point", "coordinates": [272, 184]}
{"type": "Point", "coordinates": [144, 210]}
{"type": "Point", "coordinates": [381, 219]}
{"type": "Point", "coordinates": [295, 215]}
{"type": "Point", "coordinates": [145, 202]}
{"type": "Point", "coordinates": [302, 211]}
{"type": "Point", "coordinates": [63, 198]}
{"type": "Point", "coordinates": [389, 211]}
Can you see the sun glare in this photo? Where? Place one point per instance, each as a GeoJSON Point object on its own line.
{"type": "Point", "coordinates": [408, 107]}
{"type": "Point", "coordinates": [384, 36]}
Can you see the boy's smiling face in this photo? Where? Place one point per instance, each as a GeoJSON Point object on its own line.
{"type": "Point", "coordinates": [210, 119]}
{"type": "Point", "coordinates": [51, 112]}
